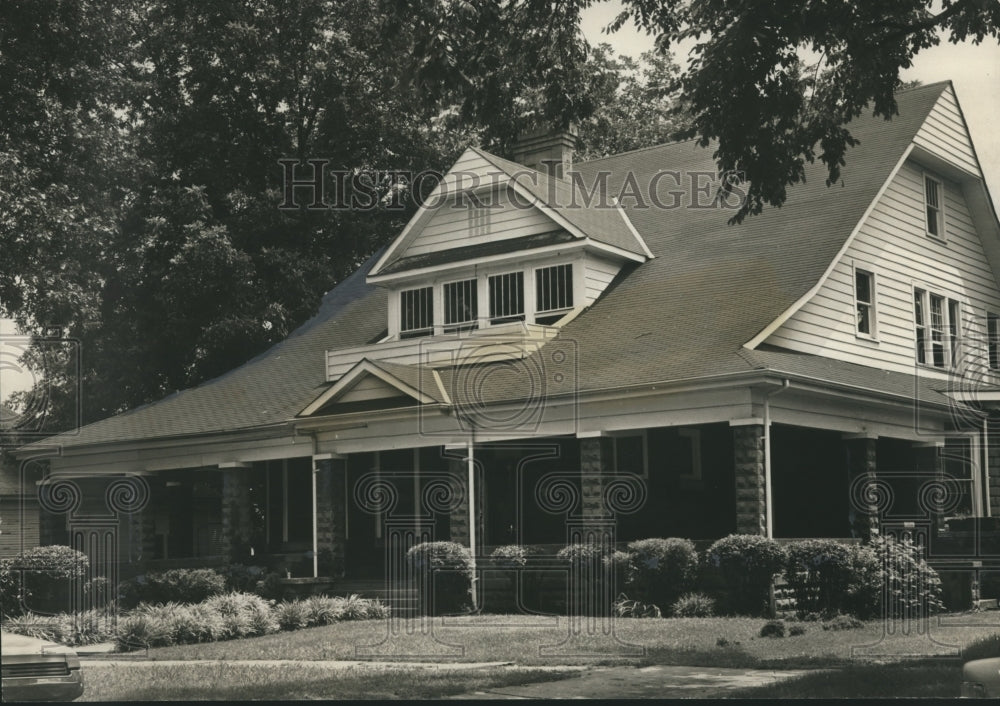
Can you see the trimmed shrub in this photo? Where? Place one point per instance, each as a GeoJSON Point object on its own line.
{"type": "Point", "coordinates": [175, 585]}
{"type": "Point", "coordinates": [818, 572]}
{"type": "Point", "coordinates": [748, 564]}
{"type": "Point", "coordinates": [773, 628]}
{"type": "Point", "coordinates": [660, 570]}
{"type": "Point", "coordinates": [797, 630]}
{"type": "Point", "coordinates": [41, 579]}
{"type": "Point", "coordinates": [445, 568]}
{"type": "Point", "coordinates": [240, 578]}
{"type": "Point", "coordinates": [693, 605]}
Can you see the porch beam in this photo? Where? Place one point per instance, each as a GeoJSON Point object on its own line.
{"type": "Point", "coordinates": [747, 421]}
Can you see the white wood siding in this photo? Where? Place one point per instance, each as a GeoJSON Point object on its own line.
{"type": "Point", "coordinates": [446, 225]}
{"type": "Point", "coordinates": [893, 244]}
{"type": "Point", "coordinates": [449, 226]}
{"type": "Point", "coordinates": [370, 388]}
{"type": "Point", "coordinates": [944, 134]}
{"type": "Point", "coordinates": [598, 274]}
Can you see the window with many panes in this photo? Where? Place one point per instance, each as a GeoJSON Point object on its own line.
{"type": "Point", "coordinates": [461, 305]}
{"type": "Point", "coordinates": [864, 300]}
{"type": "Point", "coordinates": [934, 207]}
{"type": "Point", "coordinates": [506, 297]}
{"type": "Point", "coordinates": [416, 312]}
{"type": "Point", "coordinates": [937, 321]}
{"type": "Point", "coordinates": [553, 292]}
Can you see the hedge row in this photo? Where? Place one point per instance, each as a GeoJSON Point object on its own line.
{"type": "Point", "coordinates": [221, 617]}
{"type": "Point", "coordinates": [884, 577]}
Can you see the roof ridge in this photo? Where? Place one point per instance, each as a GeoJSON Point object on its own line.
{"type": "Point", "coordinates": [638, 149]}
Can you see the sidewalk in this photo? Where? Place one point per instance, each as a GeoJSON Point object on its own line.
{"type": "Point", "coordinates": [655, 682]}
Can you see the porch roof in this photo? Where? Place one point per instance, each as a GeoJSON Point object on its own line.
{"type": "Point", "coordinates": [685, 314]}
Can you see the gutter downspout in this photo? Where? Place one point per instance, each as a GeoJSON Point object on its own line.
{"type": "Point", "coordinates": [470, 459]}
{"type": "Point", "coordinates": [987, 511]}
{"type": "Point", "coordinates": [785, 384]}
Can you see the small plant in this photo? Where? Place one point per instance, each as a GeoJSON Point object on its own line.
{"type": "Point", "coordinates": [693, 605]}
{"type": "Point", "coordinates": [292, 615]}
{"type": "Point", "coordinates": [725, 642]}
{"type": "Point", "coordinates": [773, 628]}
{"type": "Point", "coordinates": [843, 622]}
{"type": "Point", "coordinates": [626, 608]}
{"type": "Point", "coordinates": [511, 556]}
{"type": "Point", "coordinates": [797, 630]}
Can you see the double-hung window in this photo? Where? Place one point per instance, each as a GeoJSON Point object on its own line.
{"type": "Point", "coordinates": [993, 339]}
{"type": "Point", "coordinates": [938, 327]}
{"type": "Point", "coordinates": [934, 207]}
{"type": "Point", "coordinates": [864, 301]}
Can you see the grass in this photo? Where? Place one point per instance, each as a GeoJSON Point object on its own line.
{"type": "Point", "coordinates": [240, 682]}
{"type": "Point", "coordinates": [522, 640]}
{"type": "Point", "coordinates": [916, 679]}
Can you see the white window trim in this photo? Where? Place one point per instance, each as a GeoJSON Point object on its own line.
{"type": "Point", "coordinates": [524, 297]}
{"type": "Point", "coordinates": [435, 317]}
{"type": "Point", "coordinates": [995, 315]}
{"type": "Point", "coordinates": [572, 284]}
{"type": "Point", "coordinates": [942, 237]}
{"type": "Point", "coordinates": [478, 320]}
{"type": "Point", "coordinates": [950, 358]}
{"type": "Point", "coordinates": [872, 305]}
{"type": "Point", "coordinates": [614, 436]}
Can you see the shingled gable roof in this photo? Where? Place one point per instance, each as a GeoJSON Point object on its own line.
{"type": "Point", "coordinates": [685, 314]}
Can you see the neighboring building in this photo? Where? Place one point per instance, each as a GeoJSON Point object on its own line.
{"type": "Point", "coordinates": [766, 377]}
{"type": "Point", "coordinates": [18, 499]}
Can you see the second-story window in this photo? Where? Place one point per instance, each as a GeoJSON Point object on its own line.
{"type": "Point", "coordinates": [416, 312]}
{"type": "Point", "coordinates": [553, 291]}
{"type": "Point", "coordinates": [864, 299]}
{"type": "Point", "coordinates": [933, 202]}
{"type": "Point", "coordinates": [937, 320]}
{"type": "Point", "coordinates": [937, 331]}
{"type": "Point", "coordinates": [506, 297]}
{"type": "Point", "coordinates": [993, 339]}
{"type": "Point", "coordinates": [920, 319]}
{"type": "Point", "coordinates": [461, 305]}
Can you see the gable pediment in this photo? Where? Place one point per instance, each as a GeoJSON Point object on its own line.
{"type": "Point", "coordinates": [374, 385]}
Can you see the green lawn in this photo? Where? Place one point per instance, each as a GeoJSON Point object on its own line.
{"type": "Point", "coordinates": [241, 682]}
{"type": "Point", "coordinates": [531, 641]}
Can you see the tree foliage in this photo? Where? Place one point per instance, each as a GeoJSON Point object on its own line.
{"type": "Point", "coordinates": [770, 85]}
{"type": "Point", "coordinates": [139, 173]}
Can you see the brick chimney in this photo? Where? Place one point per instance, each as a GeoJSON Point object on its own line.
{"type": "Point", "coordinates": [548, 152]}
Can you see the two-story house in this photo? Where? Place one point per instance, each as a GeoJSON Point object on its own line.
{"type": "Point", "coordinates": [591, 345]}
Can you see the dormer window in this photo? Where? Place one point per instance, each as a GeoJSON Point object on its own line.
{"type": "Point", "coordinates": [553, 292]}
{"type": "Point", "coordinates": [506, 297]}
{"type": "Point", "coordinates": [461, 305]}
{"type": "Point", "coordinates": [416, 311]}
{"type": "Point", "coordinates": [934, 207]}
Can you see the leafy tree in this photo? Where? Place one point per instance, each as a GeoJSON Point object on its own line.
{"type": "Point", "coordinates": [636, 104]}
{"type": "Point", "coordinates": [140, 176]}
{"type": "Point", "coordinates": [770, 85]}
